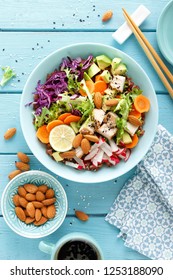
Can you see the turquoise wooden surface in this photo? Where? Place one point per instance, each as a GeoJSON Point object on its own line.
{"type": "Point", "coordinates": [30, 31]}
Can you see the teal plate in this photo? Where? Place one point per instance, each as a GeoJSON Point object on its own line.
{"type": "Point", "coordinates": [165, 33]}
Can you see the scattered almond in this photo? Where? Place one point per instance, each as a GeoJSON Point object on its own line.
{"type": "Point", "coordinates": [20, 213]}
{"type": "Point", "coordinates": [37, 204]}
{"type": "Point", "coordinates": [31, 188]}
{"type": "Point", "coordinates": [50, 193]}
{"type": "Point", "coordinates": [14, 173]}
{"type": "Point", "coordinates": [23, 157]}
{"type": "Point", "coordinates": [81, 215]}
{"type": "Point", "coordinates": [30, 196]}
{"type": "Point", "coordinates": [98, 100]}
{"type": "Point", "coordinates": [68, 155]}
{"type": "Point", "coordinates": [29, 220]}
{"type": "Point", "coordinates": [107, 15]}
{"type": "Point", "coordinates": [77, 140]}
{"type": "Point", "coordinates": [30, 209]}
{"type": "Point", "coordinates": [111, 102]}
{"type": "Point", "coordinates": [38, 215]}
{"type": "Point", "coordinates": [22, 166]}
{"type": "Point", "coordinates": [92, 138]}
{"type": "Point", "coordinates": [133, 120]}
{"type": "Point", "coordinates": [85, 145]}
{"type": "Point", "coordinates": [21, 191]}
{"type": "Point", "coordinates": [16, 200]}
{"type": "Point", "coordinates": [42, 221]}
{"type": "Point", "coordinates": [44, 211]}
{"type": "Point", "coordinates": [51, 211]}
{"type": "Point", "coordinates": [42, 188]}
{"type": "Point", "coordinates": [40, 196]}
{"type": "Point", "coordinates": [48, 201]}
{"type": "Point", "coordinates": [23, 202]}
{"type": "Point", "coordinates": [9, 133]}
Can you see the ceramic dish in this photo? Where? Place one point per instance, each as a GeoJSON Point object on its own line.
{"type": "Point", "coordinates": [164, 32]}
{"type": "Point", "coordinates": [7, 205]}
{"type": "Point", "coordinates": [47, 66]}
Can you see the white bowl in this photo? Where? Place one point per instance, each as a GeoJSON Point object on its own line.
{"type": "Point", "coordinates": [47, 66]}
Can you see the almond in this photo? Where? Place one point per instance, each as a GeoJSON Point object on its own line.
{"type": "Point", "coordinates": [51, 211]}
{"type": "Point", "coordinates": [14, 173]}
{"type": "Point", "coordinates": [85, 145]}
{"type": "Point", "coordinates": [9, 133]}
{"type": "Point", "coordinates": [48, 201]}
{"type": "Point", "coordinates": [30, 197]}
{"type": "Point", "coordinates": [30, 209]}
{"type": "Point", "coordinates": [133, 120]}
{"type": "Point", "coordinates": [23, 202]}
{"type": "Point", "coordinates": [40, 196]}
{"type": "Point", "coordinates": [98, 100]}
{"type": "Point", "coordinates": [22, 166]}
{"type": "Point", "coordinates": [107, 15]}
{"type": "Point", "coordinates": [26, 212]}
{"type": "Point", "coordinates": [42, 188]}
{"type": "Point", "coordinates": [31, 188]}
{"type": "Point", "coordinates": [23, 157]}
{"type": "Point", "coordinates": [20, 213]}
{"type": "Point", "coordinates": [44, 211]}
{"type": "Point", "coordinates": [38, 215]}
{"type": "Point", "coordinates": [29, 220]}
{"type": "Point", "coordinates": [21, 191]}
{"type": "Point", "coordinates": [77, 140]}
{"type": "Point", "coordinates": [37, 204]}
{"type": "Point", "coordinates": [50, 193]}
{"type": "Point", "coordinates": [42, 221]}
{"type": "Point", "coordinates": [92, 138]}
{"type": "Point", "coordinates": [16, 200]}
{"type": "Point", "coordinates": [81, 215]}
{"type": "Point", "coordinates": [68, 155]}
{"type": "Point", "coordinates": [111, 102]}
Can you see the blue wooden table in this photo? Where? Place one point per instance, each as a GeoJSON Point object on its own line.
{"type": "Point", "coordinates": [29, 31]}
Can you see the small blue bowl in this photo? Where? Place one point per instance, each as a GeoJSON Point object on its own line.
{"type": "Point", "coordinates": [7, 205]}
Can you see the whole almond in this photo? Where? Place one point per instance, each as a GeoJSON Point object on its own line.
{"type": "Point", "coordinates": [9, 133]}
{"type": "Point", "coordinates": [38, 215]}
{"type": "Point", "coordinates": [42, 221]}
{"type": "Point", "coordinates": [37, 204]}
{"type": "Point", "coordinates": [51, 211]}
{"type": "Point", "coordinates": [21, 191]}
{"type": "Point", "coordinates": [44, 211]}
{"type": "Point", "coordinates": [20, 213]}
{"type": "Point", "coordinates": [26, 212]}
{"type": "Point", "coordinates": [77, 140]}
{"type": "Point", "coordinates": [16, 200]}
{"type": "Point", "coordinates": [22, 166]}
{"type": "Point", "coordinates": [111, 102]}
{"type": "Point", "coordinates": [30, 197]}
{"type": "Point", "coordinates": [133, 120]}
{"type": "Point", "coordinates": [68, 155]}
{"type": "Point", "coordinates": [42, 188]}
{"type": "Point", "coordinates": [85, 145]}
{"type": "Point", "coordinates": [50, 193]}
{"type": "Point", "coordinates": [107, 15]}
{"type": "Point", "coordinates": [23, 202]}
{"type": "Point", "coordinates": [48, 201]}
{"type": "Point", "coordinates": [31, 188]}
{"type": "Point", "coordinates": [14, 173]}
{"type": "Point", "coordinates": [30, 209]}
{"type": "Point", "coordinates": [98, 100]}
{"type": "Point", "coordinates": [23, 157]}
{"type": "Point", "coordinates": [40, 196]}
{"type": "Point", "coordinates": [81, 215]}
{"type": "Point", "coordinates": [29, 220]}
{"type": "Point", "coordinates": [92, 138]}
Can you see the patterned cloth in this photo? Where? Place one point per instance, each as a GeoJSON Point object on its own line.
{"type": "Point", "coordinates": [143, 211]}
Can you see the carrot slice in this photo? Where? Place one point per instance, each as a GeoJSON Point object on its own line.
{"type": "Point", "coordinates": [100, 86]}
{"type": "Point", "coordinates": [134, 112]}
{"type": "Point", "coordinates": [90, 86]}
{"type": "Point", "coordinates": [71, 118]}
{"type": "Point", "coordinates": [134, 142]}
{"type": "Point", "coordinates": [142, 103]}
{"type": "Point", "coordinates": [52, 124]}
{"type": "Point", "coordinates": [42, 134]}
{"type": "Point", "coordinates": [63, 116]}
{"type": "Point", "coordinates": [98, 78]}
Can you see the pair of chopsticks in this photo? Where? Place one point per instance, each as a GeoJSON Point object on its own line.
{"type": "Point", "coordinates": [151, 54]}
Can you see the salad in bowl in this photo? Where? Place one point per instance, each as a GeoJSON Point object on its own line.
{"type": "Point", "coordinates": [88, 107]}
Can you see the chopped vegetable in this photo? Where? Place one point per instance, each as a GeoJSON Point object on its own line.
{"type": "Point", "coordinates": [43, 134]}
{"type": "Point", "coordinates": [100, 86]}
{"type": "Point", "coordinates": [71, 118]}
{"type": "Point", "coordinates": [8, 74]}
{"type": "Point", "coordinates": [134, 142]}
{"type": "Point", "coordinates": [142, 103]}
{"type": "Point", "coordinates": [52, 124]}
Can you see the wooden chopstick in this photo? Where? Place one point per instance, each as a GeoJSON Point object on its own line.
{"type": "Point", "coordinates": [150, 52]}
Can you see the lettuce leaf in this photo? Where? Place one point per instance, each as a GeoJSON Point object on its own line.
{"type": "Point", "coordinates": [8, 74]}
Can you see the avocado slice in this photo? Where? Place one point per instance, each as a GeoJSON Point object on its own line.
{"type": "Point", "coordinates": [57, 157]}
{"type": "Point", "coordinates": [93, 70]}
{"type": "Point", "coordinates": [103, 61]}
{"type": "Point", "coordinates": [86, 77]}
{"type": "Point", "coordinates": [115, 63]}
{"type": "Point", "coordinates": [126, 138]}
{"type": "Point", "coordinates": [106, 76]}
{"type": "Point", "coordinates": [74, 126]}
{"type": "Point", "coordinates": [120, 70]}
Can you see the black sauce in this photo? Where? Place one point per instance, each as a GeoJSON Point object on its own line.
{"type": "Point", "coordinates": [77, 250]}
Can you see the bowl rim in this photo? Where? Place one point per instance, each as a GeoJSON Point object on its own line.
{"type": "Point", "coordinates": [35, 172]}
{"type": "Point", "coordinates": [80, 179]}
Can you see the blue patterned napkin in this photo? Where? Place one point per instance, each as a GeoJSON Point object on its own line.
{"type": "Point", "coordinates": [143, 211]}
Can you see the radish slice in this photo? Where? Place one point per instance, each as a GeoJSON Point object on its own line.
{"type": "Point", "coordinates": [79, 161]}
{"type": "Point", "coordinates": [98, 158]}
{"type": "Point", "coordinates": [113, 145]}
{"type": "Point", "coordinates": [74, 165]}
{"type": "Point", "coordinates": [116, 159]}
{"type": "Point", "coordinates": [79, 152]}
{"type": "Point", "coordinates": [91, 154]}
{"type": "Point", "coordinates": [106, 148]}
{"type": "Point", "coordinates": [120, 151]}
{"type": "Point", "coordinates": [128, 153]}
